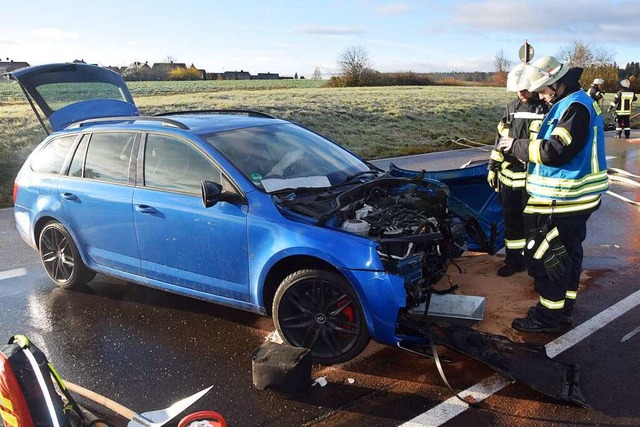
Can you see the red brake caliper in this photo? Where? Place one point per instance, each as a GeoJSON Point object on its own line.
{"type": "Point", "coordinates": [348, 312]}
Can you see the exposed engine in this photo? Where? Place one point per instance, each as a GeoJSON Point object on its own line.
{"type": "Point", "coordinates": [417, 236]}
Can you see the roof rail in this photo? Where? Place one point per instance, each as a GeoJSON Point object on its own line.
{"type": "Point", "coordinates": [130, 119]}
{"type": "Point", "coordinates": [249, 113]}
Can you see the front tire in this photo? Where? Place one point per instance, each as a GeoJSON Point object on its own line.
{"type": "Point", "coordinates": [61, 259]}
{"type": "Point", "coordinates": [319, 310]}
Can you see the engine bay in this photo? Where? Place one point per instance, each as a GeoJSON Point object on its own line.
{"type": "Point", "coordinates": [410, 220]}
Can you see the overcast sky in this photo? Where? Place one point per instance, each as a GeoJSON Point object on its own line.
{"type": "Point", "coordinates": [290, 37]}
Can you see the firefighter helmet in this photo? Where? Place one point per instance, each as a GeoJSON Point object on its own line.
{"type": "Point", "coordinates": [544, 72]}
{"type": "Point", "coordinates": [625, 83]}
{"type": "Point", "coordinates": [516, 79]}
{"type": "Point", "coordinates": [598, 81]}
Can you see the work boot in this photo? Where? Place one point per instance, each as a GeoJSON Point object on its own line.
{"type": "Point", "coordinates": [532, 324]}
{"type": "Point", "coordinates": [566, 319]}
{"type": "Point", "coordinates": [510, 269]}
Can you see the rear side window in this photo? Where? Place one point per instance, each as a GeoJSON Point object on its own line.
{"type": "Point", "coordinates": [50, 158]}
{"type": "Point", "coordinates": [173, 164]}
{"type": "Point", "coordinates": [108, 157]}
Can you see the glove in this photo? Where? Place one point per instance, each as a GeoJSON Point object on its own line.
{"type": "Point", "coordinates": [504, 144]}
{"type": "Point", "coordinates": [492, 179]}
{"type": "Point", "coordinates": [534, 240]}
{"type": "Point", "coordinates": [555, 259]}
{"type": "Point", "coordinates": [492, 173]}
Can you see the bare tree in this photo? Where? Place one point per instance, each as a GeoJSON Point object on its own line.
{"type": "Point", "coordinates": [170, 59]}
{"type": "Point", "coordinates": [317, 74]}
{"type": "Point", "coordinates": [354, 64]}
{"type": "Point", "coordinates": [581, 54]}
{"type": "Point", "coordinates": [501, 62]}
{"type": "Point", "coordinates": [502, 65]}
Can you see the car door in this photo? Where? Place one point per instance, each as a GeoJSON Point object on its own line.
{"type": "Point", "coordinates": [96, 194]}
{"type": "Point", "coordinates": [181, 242]}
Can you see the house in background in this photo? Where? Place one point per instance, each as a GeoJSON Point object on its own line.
{"type": "Point", "coordinates": [161, 70]}
{"type": "Point", "coordinates": [266, 76]}
{"type": "Point", "coordinates": [137, 71]}
{"type": "Point", "coordinates": [118, 70]}
{"type": "Point", "coordinates": [235, 75]}
{"type": "Point", "coordinates": [8, 66]}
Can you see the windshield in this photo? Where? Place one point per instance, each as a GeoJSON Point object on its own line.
{"type": "Point", "coordinates": [286, 156]}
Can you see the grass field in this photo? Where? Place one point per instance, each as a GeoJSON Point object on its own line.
{"type": "Point", "coordinates": [373, 122]}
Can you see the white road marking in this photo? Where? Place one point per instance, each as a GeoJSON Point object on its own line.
{"type": "Point", "coordinates": [452, 407]}
{"type": "Point", "coordinates": [16, 272]}
{"type": "Point", "coordinates": [630, 334]}
{"type": "Point", "coordinates": [9, 274]}
{"type": "Point", "coordinates": [592, 325]}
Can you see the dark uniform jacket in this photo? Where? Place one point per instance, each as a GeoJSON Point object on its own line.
{"type": "Point", "coordinates": [595, 93]}
{"type": "Point", "coordinates": [622, 102]}
{"type": "Point", "coordinates": [520, 120]}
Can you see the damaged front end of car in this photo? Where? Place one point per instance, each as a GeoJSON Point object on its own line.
{"type": "Point", "coordinates": [421, 222]}
{"type": "Point", "coordinates": [416, 236]}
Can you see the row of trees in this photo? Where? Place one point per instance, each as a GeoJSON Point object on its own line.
{"type": "Point", "coordinates": [632, 69]}
{"type": "Point", "coordinates": [356, 69]}
{"type": "Point", "coordinates": [597, 62]}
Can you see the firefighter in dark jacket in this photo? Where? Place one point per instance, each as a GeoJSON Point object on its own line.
{"type": "Point", "coordinates": [622, 104]}
{"type": "Point", "coordinates": [595, 90]}
{"type": "Point", "coordinates": [566, 175]}
{"type": "Point", "coordinates": [522, 119]}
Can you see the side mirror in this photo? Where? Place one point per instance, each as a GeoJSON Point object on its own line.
{"type": "Point", "coordinates": [212, 193]}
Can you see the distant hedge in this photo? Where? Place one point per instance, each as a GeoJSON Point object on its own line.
{"type": "Point", "coordinates": [375, 78]}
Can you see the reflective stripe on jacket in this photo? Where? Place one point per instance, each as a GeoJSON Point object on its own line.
{"type": "Point", "coordinates": [520, 120]}
{"type": "Point", "coordinates": [576, 185]}
{"type": "Point", "coordinates": [622, 102]}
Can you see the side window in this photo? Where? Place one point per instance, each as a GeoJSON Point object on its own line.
{"type": "Point", "coordinates": [78, 158]}
{"type": "Point", "coordinates": [108, 156]}
{"type": "Point", "coordinates": [173, 164]}
{"type": "Point", "coordinates": [51, 157]}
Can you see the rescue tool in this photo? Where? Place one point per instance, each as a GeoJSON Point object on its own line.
{"type": "Point", "coordinates": [146, 419]}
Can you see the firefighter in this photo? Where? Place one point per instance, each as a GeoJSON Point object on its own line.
{"type": "Point", "coordinates": [566, 175]}
{"type": "Point", "coordinates": [622, 104]}
{"type": "Point", "coordinates": [506, 174]}
{"type": "Point", "coordinates": [595, 91]}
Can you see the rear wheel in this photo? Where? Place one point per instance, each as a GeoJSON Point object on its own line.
{"type": "Point", "coordinates": [319, 310]}
{"type": "Point", "coordinates": [61, 259]}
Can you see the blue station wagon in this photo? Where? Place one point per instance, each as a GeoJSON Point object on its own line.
{"type": "Point", "coordinates": [239, 208]}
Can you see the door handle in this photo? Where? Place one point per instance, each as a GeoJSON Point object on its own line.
{"type": "Point", "coordinates": [146, 209]}
{"type": "Point", "coordinates": [69, 196]}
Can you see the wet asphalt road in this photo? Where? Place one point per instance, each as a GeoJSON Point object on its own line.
{"type": "Point", "coordinates": [145, 348]}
